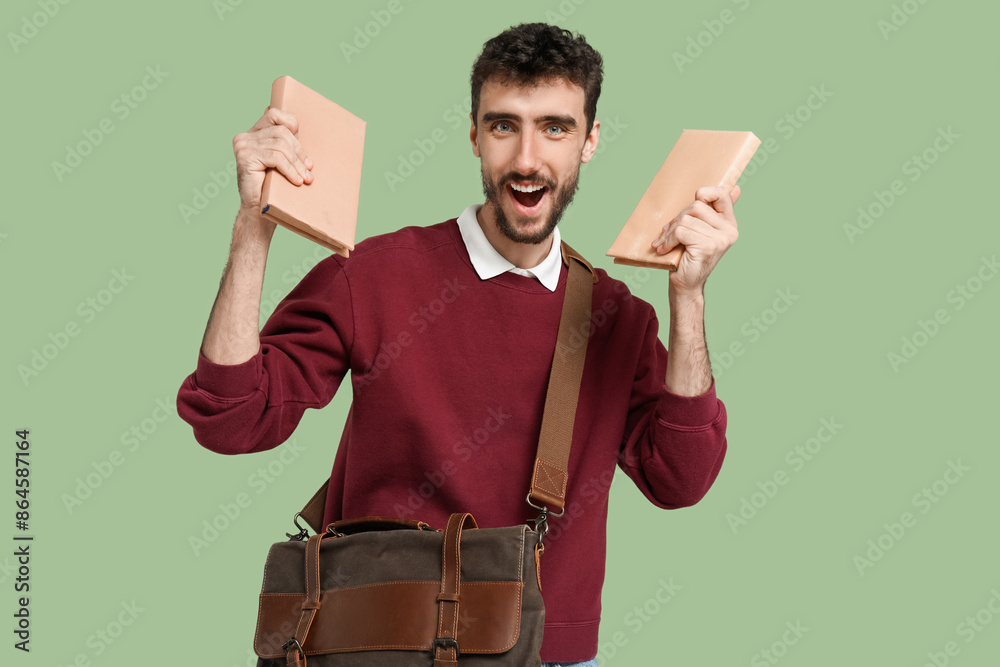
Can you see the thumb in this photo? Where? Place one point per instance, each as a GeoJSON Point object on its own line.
{"type": "Point", "coordinates": [735, 194]}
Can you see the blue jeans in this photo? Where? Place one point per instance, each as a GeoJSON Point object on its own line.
{"type": "Point", "coordinates": [589, 663]}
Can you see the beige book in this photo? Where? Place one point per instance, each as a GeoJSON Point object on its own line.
{"type": "Point", "coordinates": [699, 158]}
{"type": "Point", "coordinates": [326, 210]}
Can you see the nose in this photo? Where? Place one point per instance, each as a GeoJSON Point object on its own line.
{"type": "Point", "coordinates": [527, 160]}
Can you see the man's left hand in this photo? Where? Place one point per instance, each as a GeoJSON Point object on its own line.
{"type": "Point", "coordinates": [706, 229]}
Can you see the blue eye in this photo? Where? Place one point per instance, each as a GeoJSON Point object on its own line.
{"type": "Point", "coordinates": [499, 123]}
{"type": "Point", "coordinates": [556, 127]}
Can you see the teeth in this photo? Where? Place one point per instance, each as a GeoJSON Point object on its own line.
{"type": "Point", "coordinates": [526, 188]}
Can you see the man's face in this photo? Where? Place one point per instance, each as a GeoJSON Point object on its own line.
{"type": "Point", "coordinates": [530, 137]}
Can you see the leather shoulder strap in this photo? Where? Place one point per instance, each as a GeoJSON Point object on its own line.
{"type": "Point", "coordinates": [548, 482]}
{"type": "Point", "coordinates": [550, 473]}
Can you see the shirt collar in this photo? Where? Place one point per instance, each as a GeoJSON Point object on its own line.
{"type": "Point", "coordinates": [488, 263]}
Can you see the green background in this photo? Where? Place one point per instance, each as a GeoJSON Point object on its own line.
{"type": "Point", "coordinates": [855, 298]}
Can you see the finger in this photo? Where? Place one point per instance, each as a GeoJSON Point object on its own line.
{"type": "Point", "coordinates": [281, 139]}
{"type": "Point", "coordinates": [696, 208]}
{"type": "Point", "coordinates": [285, 121]}
{"type": "Point", "coordinates": [300, 152]}
{"type": "Point", "coordinates": [687, 230]}
{"type": "Point", "coordinates": [699, 209]}
{"type": "Point", "coordinates": [717, 197]}
{"type": "Point", "coordinates": [662, 238]}
{"type": "Point", "coordinates": [667, 240]}
{"type": "Point", "coordinates": [735, 194]}
{"type": "Point", "coordinates": [274, 116]}
{"type": "Point", "coordinates": [274, 157]}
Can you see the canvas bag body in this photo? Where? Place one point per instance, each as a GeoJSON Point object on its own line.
{"type": "Point", "coordinates": [501, 617]}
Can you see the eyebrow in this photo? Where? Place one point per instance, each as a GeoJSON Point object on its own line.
{"type": "Point", "coordinates": [568, 121]}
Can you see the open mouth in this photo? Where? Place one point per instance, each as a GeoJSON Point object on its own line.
{"type": "Point", "coordinates": [527, 198]}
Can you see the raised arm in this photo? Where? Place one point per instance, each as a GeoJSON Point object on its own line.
{"type": "Point", "coordinates": [249, 389]}
{"type": "Point", "coordinates": [675, 438]}
{"type": "Point", "coordinates": [231, 335]}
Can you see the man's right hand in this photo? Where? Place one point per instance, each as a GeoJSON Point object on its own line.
{"type": "Point", "coordinates": [271, 142]}
{"type": "Point", "coordinates": [231, 336]}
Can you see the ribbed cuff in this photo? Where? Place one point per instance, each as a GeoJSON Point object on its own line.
{"type": "Point", "coordinates": [229, 381]}
{"type": "Point", "coordinates": [687, 411]}
{"type": "Point", "coordinates": [570, 642]}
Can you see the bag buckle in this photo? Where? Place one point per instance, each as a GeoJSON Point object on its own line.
{"type": "Point", "coordinates": [303, 532]}
{"type": "Point", "coordinates": [445, 642]}
{"type": "Point", "coordinates": [287, 646]}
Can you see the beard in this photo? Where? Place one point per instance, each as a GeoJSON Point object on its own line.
{"type": "Point", "coordinates": [561, 198]}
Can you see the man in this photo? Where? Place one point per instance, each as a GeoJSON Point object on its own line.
{"type": "Point", "coordinates": [449, 330]}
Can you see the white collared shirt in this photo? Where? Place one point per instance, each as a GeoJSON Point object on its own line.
{"type": "Point", "coordinates": [489, 263]}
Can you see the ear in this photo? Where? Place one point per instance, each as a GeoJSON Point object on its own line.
{"type": "Point", "coordinates": [473, 137]}
{"type": "Point", "coordinates": [590, 145]}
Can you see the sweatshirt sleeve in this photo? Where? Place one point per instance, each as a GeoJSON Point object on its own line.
{"type": "Point", "coordinates": [304, 354]}
{"type": "Point", "coordinates": [673, 445]}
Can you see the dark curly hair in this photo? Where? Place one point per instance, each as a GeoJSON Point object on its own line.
{"type": "Point", "coordinates": [533, 53]}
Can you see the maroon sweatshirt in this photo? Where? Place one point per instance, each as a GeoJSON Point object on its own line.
{"type": "Point", "coordinates": [449, 374]}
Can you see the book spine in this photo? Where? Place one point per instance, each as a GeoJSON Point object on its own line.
{"type": "Point", "coordinates": [740, 162]}
{"type": "Point", "coordinates": [278, 101]}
